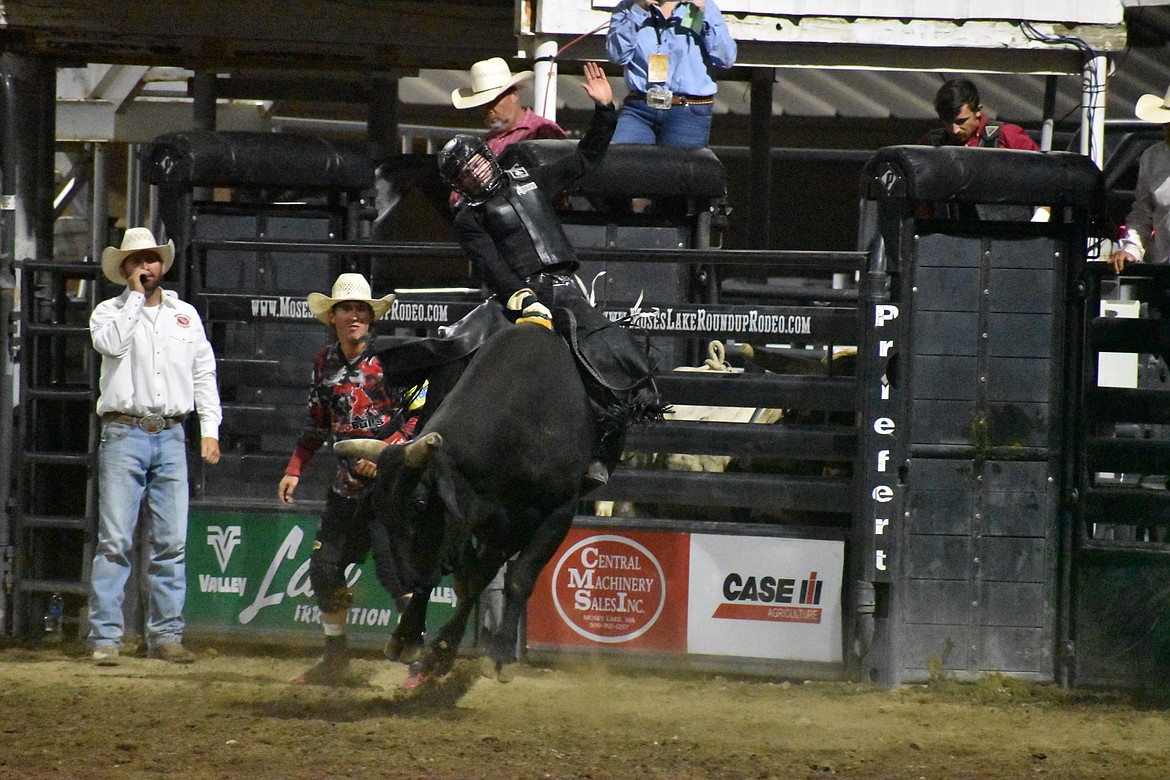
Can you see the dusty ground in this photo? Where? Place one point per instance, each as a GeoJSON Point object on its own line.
{"type": "Point", "coordinates": [233, 715]}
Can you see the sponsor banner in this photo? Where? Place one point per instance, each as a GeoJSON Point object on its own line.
{"type": "Point", "coordinates": [615, 589]}
{"type": "Point", "coordinates": [760, 597]}
{"type": "Point", "coordinates": [251, 571]}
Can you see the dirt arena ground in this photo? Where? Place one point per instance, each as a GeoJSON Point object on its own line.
{"type": "Point", "coordinates": [233, 714]}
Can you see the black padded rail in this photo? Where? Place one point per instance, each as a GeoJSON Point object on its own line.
{"type": "Point", "coordinates": [989, 176]}
{"type": "Point", "coordinates": [765, 492]}
{"type": "Point", "coordinates": [1129, 334]}
{"type": "Point", "coordinates": [772, 391]}
{"type": "Point", "coordinates": [635, 170]}
{"type": "Point", "coordinates": [773, 440]}
{"type": "Point", "coordinates": [1123, 404]}
{"type": "Point", "coordinates": [245, 159]}
{"type": "Point", "coordinates": [1141, 456]}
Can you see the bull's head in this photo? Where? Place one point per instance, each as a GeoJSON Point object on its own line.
{"type": "Point", "coordinates": [403, 497]}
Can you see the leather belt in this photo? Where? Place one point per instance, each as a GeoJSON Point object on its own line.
{"type": "Point", "coordinates": [151, 423]}
{"type": "Point", "coordinates": [677, 99]}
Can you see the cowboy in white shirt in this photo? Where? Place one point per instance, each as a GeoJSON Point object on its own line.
{"type": "Point", "coordinates": [157, 368]}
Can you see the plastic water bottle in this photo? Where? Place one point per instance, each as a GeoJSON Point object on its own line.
{"type": "Point", "coordinates": [54, 616]}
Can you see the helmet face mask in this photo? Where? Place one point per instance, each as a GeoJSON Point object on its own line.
{"type": "Point", "coordinates": [469, 167]}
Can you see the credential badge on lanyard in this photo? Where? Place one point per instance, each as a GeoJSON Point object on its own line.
{"type": "Point", "coordinates": [658, 95]}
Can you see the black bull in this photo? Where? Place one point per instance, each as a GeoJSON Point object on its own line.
{"type": "Point", "coordinates": [496, 473]}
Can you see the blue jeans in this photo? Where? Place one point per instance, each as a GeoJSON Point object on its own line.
{"type": "Point", "coordinates": [134, 465]}
{"type": "Point", "coordinates": [688, 125]}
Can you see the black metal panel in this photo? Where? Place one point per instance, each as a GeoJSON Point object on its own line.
{"type": "Point", "coordinates": [927, 648]}
{"type": "Point", "coordinates": [1122, 622]}
{"type": "Point", "coordinates": [1020, 290]}
{"type": "Point", "coordinates": [940, 511]}
{"type": "Point", "coordinates": [1013, 559]}
{"type": "Point", "coordinates": [1019, 335]}
{"type": "Point", "coordinates": [938, 557]}
{"type": "Point", "coordinates": [1020, 651]}
{"type": "Point", "coordinates": [936, 602]}
{"type": "Point", "coordinates": [946, 377]}
{"type": "Point", "coordinates": [943, 250]}
{"type": "Point", "coordinates": [943, 422]}
{"type": "Point", "coordinates": [946, 333]}
{"type": "Point", "coordinates": [1019, 604]}
{"type": "Point", "coordinates": [948, 289]}
{"type": "Point", "coordinates": [1018, 379]}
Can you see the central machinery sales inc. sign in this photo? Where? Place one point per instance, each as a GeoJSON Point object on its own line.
{"type": "Point", "coordinates": [746, 596]}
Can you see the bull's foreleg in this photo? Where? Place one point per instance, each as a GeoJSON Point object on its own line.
{"type": "Point", "coordinates": [519, 581]}
{"type": "Point", "coordinates": [406, 643]}
{"type": "Point", "coordinates": [439, 656]}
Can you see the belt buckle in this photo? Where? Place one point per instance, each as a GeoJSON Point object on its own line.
{"type": "Point", "coordinates": [658, 96]}
{"type": "Point", "coordinates": [152, 423]}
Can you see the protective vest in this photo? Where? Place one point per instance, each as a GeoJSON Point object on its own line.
{"type": "Point", "coordinates": [526, 229]}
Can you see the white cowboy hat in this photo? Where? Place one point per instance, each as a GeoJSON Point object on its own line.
{"type": "Point", "coordinates": [1152, 108]}
{"type": "Point", "coordinates": [348, 287]}
{"type": "Point", "coordinates": [489, 80]}
{"type": "Point", "coordinates": [136, 240]}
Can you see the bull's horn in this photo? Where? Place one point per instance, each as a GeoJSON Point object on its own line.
{"type": "Point", "coordinates": [418, 453]}
{"type": "Point", "coordinates": [369, 449]}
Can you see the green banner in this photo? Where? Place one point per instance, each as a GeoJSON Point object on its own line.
{"type": "Point", "coordinates": [248, 573]}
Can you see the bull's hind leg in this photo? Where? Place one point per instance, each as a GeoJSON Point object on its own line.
{"type": "Point", "coordinates": [519, 582]}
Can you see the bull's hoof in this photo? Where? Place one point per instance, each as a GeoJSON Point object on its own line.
{"type": "Point", "coordinates": [402, 651]}
{"type": "Point", "coordinates": [415, 677]}
{"type": "Point", "coordinates": [496, 670]}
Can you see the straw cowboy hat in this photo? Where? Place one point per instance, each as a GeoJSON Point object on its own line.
{"type": "Point", "coordinates": [489, 79]}
{"type": "Point", "coordinates": [1152, 108]}
{"type": "Point", "coordinates": [348, 287]}
{"type": "Point", "coordinates": [136, 240]}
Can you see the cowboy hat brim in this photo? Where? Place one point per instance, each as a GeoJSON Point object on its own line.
{"type": "Point", "coordinates": [465, 98]}
{"type": "Point", "coordinates": [112, 258]}
{"type": "Point", "coordinates": [321, 305]}
{"type": "Point", "coordinates": [1152, 108]}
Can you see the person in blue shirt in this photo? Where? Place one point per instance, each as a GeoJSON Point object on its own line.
{"type": "Point", "coordinates": [669, 51]}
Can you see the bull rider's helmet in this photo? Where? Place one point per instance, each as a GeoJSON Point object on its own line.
{"type": "Point", "coordinates": [469, 167]}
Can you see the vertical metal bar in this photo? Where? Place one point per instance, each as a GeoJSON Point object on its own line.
{"type": "Point", "coordinates": [763, 80]}
{"type": "Point", "coordinates": [1049, 113]}
{"type": "Point", "coordinates": [27, 143]}
{"type": "Point", "coordinates": [1093, 79]}
{"type": "Point", "coordinates": [134, 185]}
{"type": "Point", "coordinates": [99, 228]}
{"type": "Point", "coordinates": [544, 85]}
{"type": "Point", "coordinates": [382, 121]}
{"type": "Point", "coordinates": [204, 93]}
